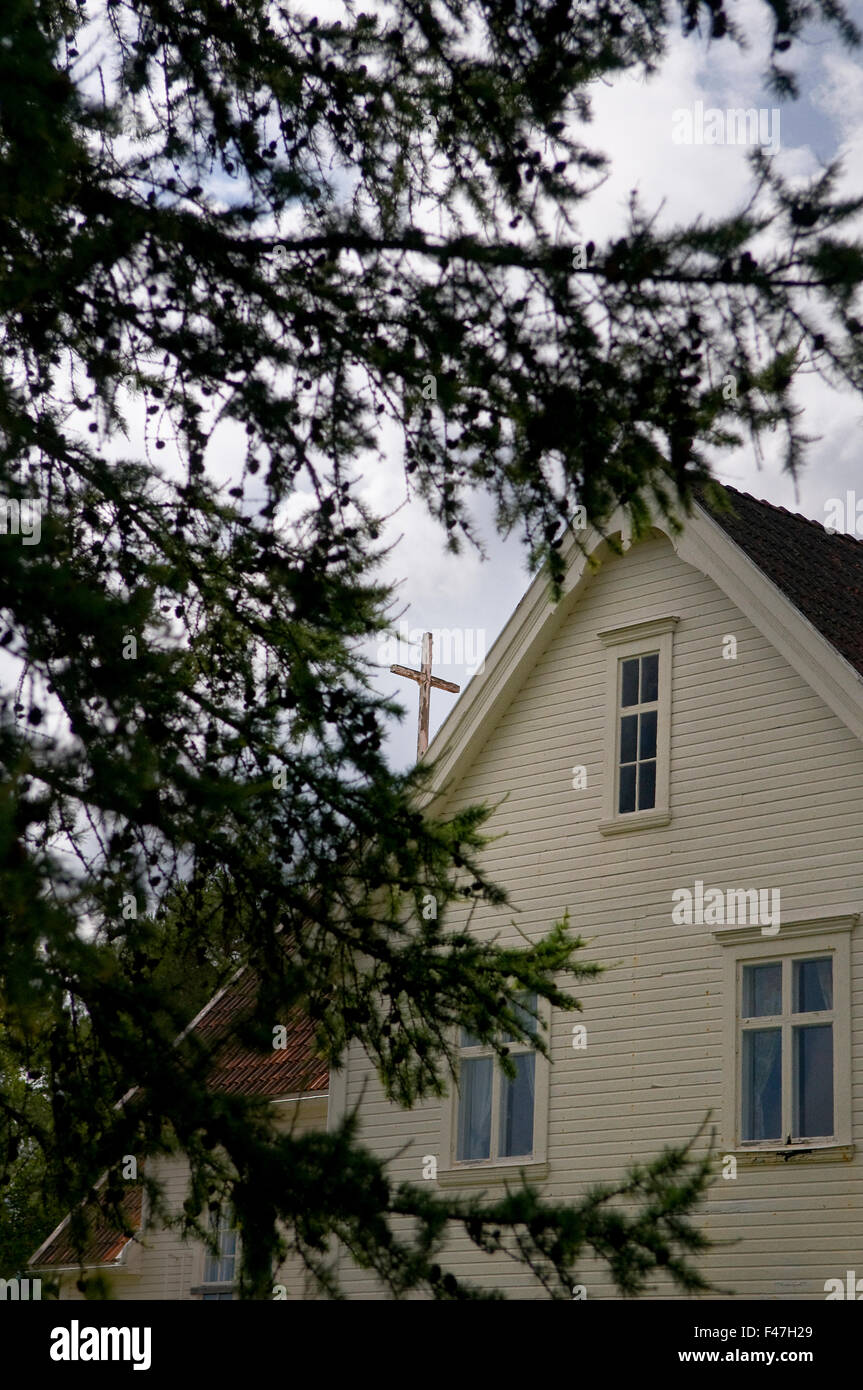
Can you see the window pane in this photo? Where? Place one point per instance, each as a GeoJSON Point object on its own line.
{"type": "Point", "coordinates": [516, 1108]}
{"type": "Point", "coordinates": [813, 985]}
{"type": "Point", "coordinates": [762, 990]}
{"type": "Point", "coordinates": [626, 800]}
{"type": "Point", "coordinates": [525, 1012]}
{"type": "Point", "coordinates": [762, 1083]}
{"type": "Point", "coordinates": [469, 1039]}
{"type": "Point", "coordinates": [629, 683]}
{"type": "Point", "coordinates": [220, 1269]}
{"type": "Point", "coordinates": [813, 1082]}
{"type": "Point", "coordinates": [650, 678]}
{"type": "Point", "coordinates": [528, 1010]}
{"type": "Point", "coordinates": [647, 743]}
{"type": "Point", "coordinates": [628, 738]}
{"type": "Point", "coordinates": [474, 1108]}
{"type": "Point", "coordinates": [646, 786]}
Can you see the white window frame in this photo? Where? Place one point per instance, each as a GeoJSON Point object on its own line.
{"type": "Point", "coordinates": [623, 643]}
{"type": "Point", "coordinates": [829, 936]}
{"type": "Point", "coordinates": [452, 1170]}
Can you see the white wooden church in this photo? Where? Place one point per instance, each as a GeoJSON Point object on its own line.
{"type": "Point", "coordinates": [675, 750]}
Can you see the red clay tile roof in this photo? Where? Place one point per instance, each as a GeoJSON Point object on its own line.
{"type": "Point", "coordinates": [106, 1243]}
{"type": "Point", "coordinates": [237, 1069]}
{"type": "Point", "coordinates": [242, 1070]}
{"type": "Point", "coordinates": [822, 574]}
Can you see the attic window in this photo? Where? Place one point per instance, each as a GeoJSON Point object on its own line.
{"type": "Point", "coordinates": [636, 750]}
{"type": "Point", "coordinates": [638, 725]}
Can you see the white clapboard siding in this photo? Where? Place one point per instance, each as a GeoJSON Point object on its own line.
{"type": "Point", "coordinates": [165, 1267]}
{"type": "Point", "coordinates": [767, 790]}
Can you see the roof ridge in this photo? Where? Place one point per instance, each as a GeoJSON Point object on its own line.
{"type": "Point", "coordinates": [796, 516]}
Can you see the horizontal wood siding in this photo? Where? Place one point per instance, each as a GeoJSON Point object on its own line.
{"type": "Point", "coordinates": [767, 791]}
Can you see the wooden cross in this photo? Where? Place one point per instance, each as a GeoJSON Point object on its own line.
{"type": "Point", "coordinates": [425, 681]}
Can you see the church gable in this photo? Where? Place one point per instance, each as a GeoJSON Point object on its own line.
{"type": "Point", "coordinates": [764, 808]}
{"type": "Point", "coordinates": [798, 584]}
{"type": "Point", "coordinates": [745, 732]}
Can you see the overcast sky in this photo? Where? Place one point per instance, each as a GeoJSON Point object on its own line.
{"type": "Point", "coordinates": [633, 123]}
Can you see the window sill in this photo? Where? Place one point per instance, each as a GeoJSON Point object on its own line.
{"type": "Point", "coordinates": [794, 1153]}
{"type": "Point", "coordinates": [200, 1289]}
{"type": "Point", "coordinates": [481, 1174]}
{"type": "Point", "coordinates": [634, 820]}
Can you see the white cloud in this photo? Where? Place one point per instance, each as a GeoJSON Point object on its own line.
{"type": "Point", "coordinates": [632, 125]}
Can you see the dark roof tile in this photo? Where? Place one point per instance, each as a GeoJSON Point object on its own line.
{"type": "Point", "coordinates": [821, 573]}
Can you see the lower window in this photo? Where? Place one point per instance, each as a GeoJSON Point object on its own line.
{"type": "Point", "coordinates": [787, 1050]}
{"type": "Point", "coordinates": [220, 1269]}
{"type": "Point", "coordinates": [496, 1114]}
